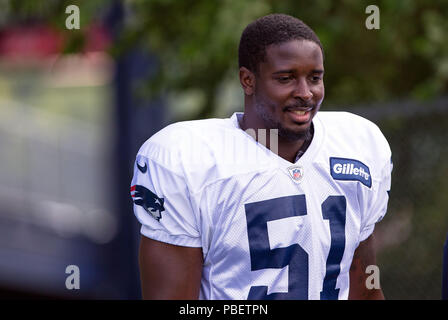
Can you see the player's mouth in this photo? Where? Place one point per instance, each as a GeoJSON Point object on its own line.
{"type": "Point", "coordinates": [299, 115]}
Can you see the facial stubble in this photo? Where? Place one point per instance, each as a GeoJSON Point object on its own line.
{"type": "Point", "coordinates": [266, 112]}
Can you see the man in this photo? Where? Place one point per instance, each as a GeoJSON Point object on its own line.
{"type": "Point", "coordinates": [277, 203]}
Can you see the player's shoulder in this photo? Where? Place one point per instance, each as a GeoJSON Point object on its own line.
{"type": "Point", "coordinates": [185, 138]}
{"type": "Point", "coordinates": [353, 135]}
{"type": "Point", "coordinates": [352, 128]}
{"type": "Point", "coordinates": [346, 121]}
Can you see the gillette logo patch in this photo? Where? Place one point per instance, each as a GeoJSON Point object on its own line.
{"type": "Point", "coordinates": [350, 169]}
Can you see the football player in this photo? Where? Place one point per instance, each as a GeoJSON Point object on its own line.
{"type": "Point", "coordinates": [278, 202]}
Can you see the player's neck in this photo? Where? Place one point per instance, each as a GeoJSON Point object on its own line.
{"type": "Point", "coordinates": [293, 150]}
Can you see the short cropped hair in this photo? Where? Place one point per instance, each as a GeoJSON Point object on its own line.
{"type": "Point", "coordinates": [267, 30]}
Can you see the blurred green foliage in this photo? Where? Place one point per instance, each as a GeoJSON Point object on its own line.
{"type": "Point", "coordinates": [412, 234]}
{"type": "Point", "coordinates": [196, 42]}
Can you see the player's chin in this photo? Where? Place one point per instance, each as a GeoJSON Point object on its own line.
{"type": "Point", "coordinates": [295, 128]}
{"type": "Point", "coordinates": [295, 131]}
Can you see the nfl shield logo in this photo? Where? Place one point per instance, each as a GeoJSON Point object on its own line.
{"type": "Point", "coordinates": [296, 173]}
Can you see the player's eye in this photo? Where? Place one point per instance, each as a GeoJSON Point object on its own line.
{"type": "Point", "coordinates": [284, 79]}
{"type": "Point", "coordinates": [316, 79]}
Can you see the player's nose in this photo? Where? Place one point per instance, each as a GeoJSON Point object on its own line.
{"type": "Point", "coordinates": [302, 90]}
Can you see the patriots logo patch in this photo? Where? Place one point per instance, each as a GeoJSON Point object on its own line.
{"type": "Point", "coordinates": [148, 200]}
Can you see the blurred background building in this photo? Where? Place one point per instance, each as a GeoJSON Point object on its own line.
{"type": "Point", "coordinates": [75, 105]}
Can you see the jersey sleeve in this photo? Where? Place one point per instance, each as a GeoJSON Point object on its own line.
{"type": "Point", "coordinates": [378, 205]}
{"type": "Point", "coordinates": [162, 203]}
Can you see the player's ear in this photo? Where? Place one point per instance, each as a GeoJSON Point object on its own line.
{"type": "Point", "coordinates": [247, 80]}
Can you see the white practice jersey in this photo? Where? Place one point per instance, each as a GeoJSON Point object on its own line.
{"type": "Point", "coordinates": [268, 228]}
